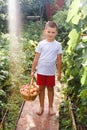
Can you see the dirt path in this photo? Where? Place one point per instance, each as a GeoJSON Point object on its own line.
{"type": "Point", "coordinates": [29, 120]}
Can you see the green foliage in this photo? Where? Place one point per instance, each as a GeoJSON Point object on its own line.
{"type": "Point", "coordinates": [60, 17]}
{"type": "Point", "coordinates": [33, 30]}
{"type": "Point", "coordinates": [3, 100]}
{"type": "Point", "coordinates": [10, 92]}
{"type": "Point", "coordinates": [4, 60]}
{"type": "Point", "coordinates": [4, 73]}
{"type": "Point", "coordinates": [75, 60]}
{"type": "Point", "coordinates": [29, 49]}
{"type": "Point", "coordinates": [30, 39]}
{"type": "Point", "coordinates": [29, 7]}
{"type": "Point", "coordinates": [3, 16]}
{"type": "Point", "coordinates": [65, 122]}
{"type": "Point", "coordinates": [63, 28]}
{"type": "Point", "coordinates": [74, 37]}
{"type": "Point", "coordinates": [34, 8]}
{"type": "Point", "coordinates": [13, 107]}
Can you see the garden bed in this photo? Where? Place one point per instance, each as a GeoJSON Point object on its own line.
{"type": "Point", "coordinates": [67, 118]}
{"type": "Point", "coordinates": [65, 122]}
{"type": "Point", "coordinates": [10, 117]}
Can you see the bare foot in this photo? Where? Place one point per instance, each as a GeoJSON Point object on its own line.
{"type": "Point", "coordinates": [40, 112]}
{"type": "Point", "coordinates": [51, 111]}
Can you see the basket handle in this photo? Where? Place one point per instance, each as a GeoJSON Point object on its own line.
{"type": "Point", "coordinates": [32, 80]}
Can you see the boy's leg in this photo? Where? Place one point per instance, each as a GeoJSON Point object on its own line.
{"type": "Point", "coordinates": [50, 83]}
{"type": "Point", "coordinates": [51, 98]}
{"type": "Point", "coordinates": [41, 83]}
{"type": "Point", "coordinates": [41, 100]}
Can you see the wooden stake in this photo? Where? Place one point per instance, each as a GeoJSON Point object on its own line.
{"type": "Point", "coordinates": [72, 115]}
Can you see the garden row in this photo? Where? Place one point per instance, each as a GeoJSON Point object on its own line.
{"type": "Point", "coordinates": [10, 83]}
{"type": "Point", "coordinates": [75, 66]}
{"type": "Point", "coordinates": [71, 35]}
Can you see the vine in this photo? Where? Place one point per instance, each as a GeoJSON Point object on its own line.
{"type": "Point", "coordinates": [75, 61]}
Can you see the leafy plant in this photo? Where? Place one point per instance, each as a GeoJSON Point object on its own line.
{"type": "Point", "coordinates": [63, 28]}
{"type": "Point", "coordinates": [65, 122]}
{"type": "Point", "coordinates": [3, 16]}
{"type": "Point", "coordinates": [75, 61]}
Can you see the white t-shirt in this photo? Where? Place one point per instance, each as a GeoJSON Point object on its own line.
{"type": "Point", "coordinates": [48, 55]}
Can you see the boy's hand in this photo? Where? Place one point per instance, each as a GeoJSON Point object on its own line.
{"type": "Point", "coordinates": [32, 74]}
{"type": "Point", "coordinates": [59, 77]}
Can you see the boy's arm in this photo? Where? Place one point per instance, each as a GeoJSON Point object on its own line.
{"type": "Point", "coordinates": [59, 65]}
{"type": "Point", "coordinates": [35, 61]}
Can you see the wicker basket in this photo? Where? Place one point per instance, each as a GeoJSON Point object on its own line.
{"type": "Point", "coordinates": [30, 91]}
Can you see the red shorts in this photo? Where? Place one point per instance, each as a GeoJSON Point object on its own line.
{"type": "Point", "coordinates": [45, 80]}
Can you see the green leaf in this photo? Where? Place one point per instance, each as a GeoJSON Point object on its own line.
{"type": "Point", "coordinates": [84, 77]}
{"type": "Point", "coordinates": [74, 40]}
{"type": "Point", "coordinates": [2, 93]}
{"type": "Point", "coordinates": [75, 19]}
{"type": "Point", "coordinates": [83, 93]}
{"type": "Point", "coordinates": [74, 8]}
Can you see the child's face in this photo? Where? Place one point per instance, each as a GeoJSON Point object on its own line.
{"type": "Point", "coordinates": [50, 33]}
